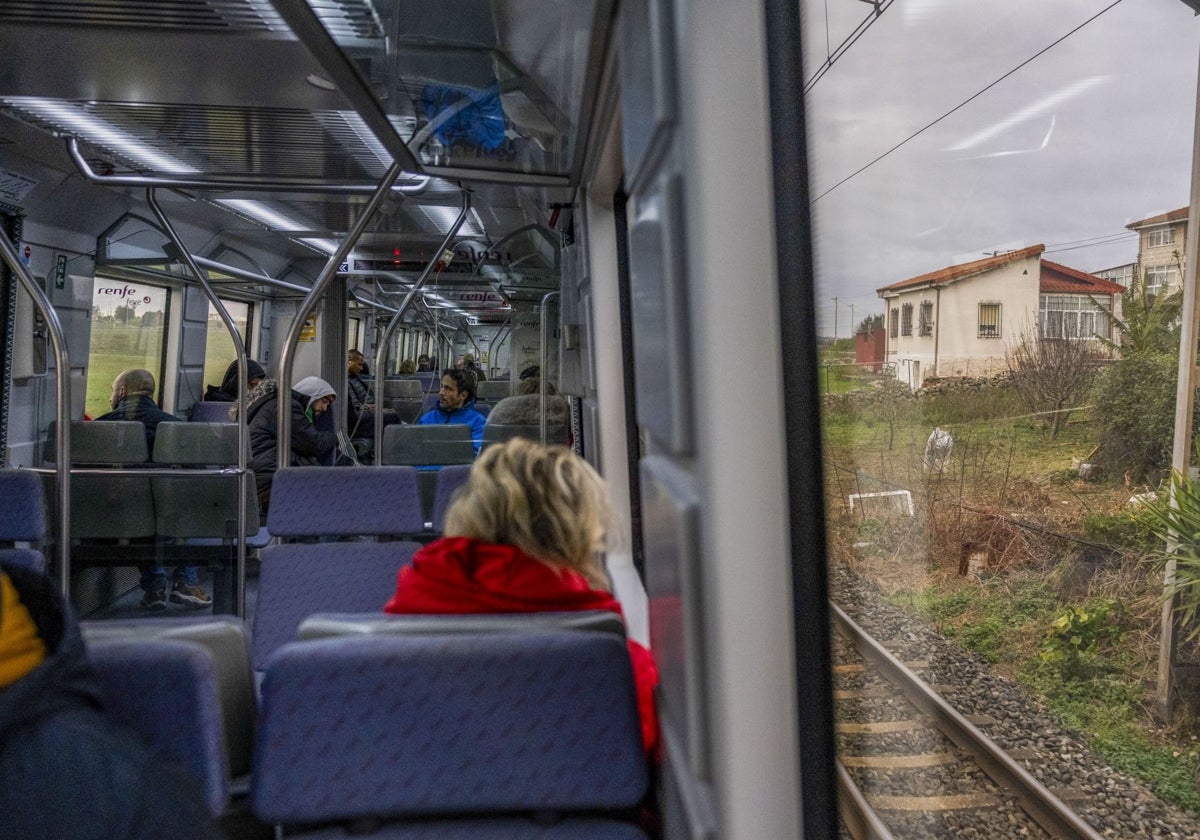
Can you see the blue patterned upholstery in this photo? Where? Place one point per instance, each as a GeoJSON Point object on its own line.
{"type": "Point", "coordinates": [166, 691]}
{"type": "Point", "coordinates": [505, 828]}
{"type": "Point", "coordinates": [24, 558]}
{"type": "Point", "coordinates": [449, 479]}
{"type": "Point", "coordinates": [224, 637]}
{"type": "Point", "coordinates": [296, 581]}
{"type": "Point", "coordinates": [211, 412]}
{"type": "Point", "coordinates": [452, 725]}
{"type": "Point", "coordinates": [22, 512]}
{"type": "Point", "coordinates": [315, 501]}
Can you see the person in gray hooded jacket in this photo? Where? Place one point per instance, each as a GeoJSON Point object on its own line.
{"type": "Point", "coordinates": [310, 398]}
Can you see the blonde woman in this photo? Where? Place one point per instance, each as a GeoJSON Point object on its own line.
{"type": "Point", "coordinates": [523, 536]}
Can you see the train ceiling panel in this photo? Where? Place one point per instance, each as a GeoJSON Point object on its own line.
{"type": "Point", "coordinates": [493, 94]}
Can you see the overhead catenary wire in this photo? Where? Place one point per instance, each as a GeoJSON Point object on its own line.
{"type": "Point", "coordinates": [859, 31]}
{"type": "Point", "coordinates": [966, 101]}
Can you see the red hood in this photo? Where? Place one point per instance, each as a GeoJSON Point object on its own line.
{"type": "Point", "coordinates": [460, 575]}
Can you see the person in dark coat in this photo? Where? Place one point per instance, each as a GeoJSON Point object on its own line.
{"type": "Point", "coordinates": [68, 773]}
{"type": "Point", "coordinates": [133, 399]}
{"type": "Point", "coordinates": [228, 390]}
{"type": "Point", "coordinates": [311, 397]}
{"type": "Point", "coordinates": [360, 419]}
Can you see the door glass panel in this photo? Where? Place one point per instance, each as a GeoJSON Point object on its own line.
{"type": "Point", "coordinates": [129, 326]}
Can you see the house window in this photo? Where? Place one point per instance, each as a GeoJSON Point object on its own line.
{"type": "Point", "coordinates": [989, 320]}
{"type": "Point", "coordinates": [1160, 236]}
{"type": "Point", "coordinates": [926, 317]}
{"type": "Point", "coordinates": [1159, 279]}
{"type": "Point", "coordinates": [1071, 316]}
{"type": "Point", "coordinates": [894, 323]}
{"type": "Point", "coordinates": [906, 319]}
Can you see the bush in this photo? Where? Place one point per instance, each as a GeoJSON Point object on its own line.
{"type": "Point", "coordinates": [1134, 529]}
{"type": "Point", "coordinates": [1136, 406]}
{"type": "Point", "coordinates": [1077, 633]}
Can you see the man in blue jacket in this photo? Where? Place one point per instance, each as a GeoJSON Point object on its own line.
{"type": "Point", "coordinates": [456, 400]}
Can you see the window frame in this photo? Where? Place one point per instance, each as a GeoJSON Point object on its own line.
{"type": "Point", "coordinates": [906, 319]}
{"type": "Point", "coordinates": [1165, 235]}
{"type": "Point", "coordinates": [159, 371]}
{"type": "Point", "coordinates": [925, 319]}
{"type": "Point", "coordinates": [894, 322]}
{"type": "Point", "coordinates": [989, 330]}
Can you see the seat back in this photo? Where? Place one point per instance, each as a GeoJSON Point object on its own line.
{"type": "Point", "coordinates": [22, 507]}
{"type": "Point", "coordinates": [224, 637]}
{"type": "Point", "coordinates": [196, 444]}
{"type": "Point", "coordinates": [450, 725]}
{"type": "Point", "coordinates": [210, 412]}
{"type": "Point", "coordinates": [24, 558]}
{"type": "Point", "coordinates": [362, 501]}
{"type": "Point", "coordinates": [108, 443]}
{"type": "Point", "coordinates": [493, 389]}
{"type": "Point", "coordinates": [166, 691]}
{"type": "Point", "coordinates": [298, 580]}
{"type": "Point", "coordinates": [108, 506]}
{"type": "Point", "coordinates": [326, 625]}
{"type": "Point", "coordinates": [405, 389]}
{"type": "Point", "coordinates": [449, 479]}
{"type": "Point", "coordinates": [498, 433]}
{"type": "Point", "coordinates": [429, 445]}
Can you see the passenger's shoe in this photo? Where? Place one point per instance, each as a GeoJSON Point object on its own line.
{"type": "Point", "coordinates": [190, 596]}
{"type": "Point", "coordinates": [155, 600]}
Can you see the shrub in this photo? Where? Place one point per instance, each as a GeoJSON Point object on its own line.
{"type": "Point", "coordinates": [1075, 633]}
{"type": "Point", "coordinates": [1136, 407]}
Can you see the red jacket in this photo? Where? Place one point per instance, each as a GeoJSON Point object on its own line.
{"type": "Point", "coordinates": [459, 575]}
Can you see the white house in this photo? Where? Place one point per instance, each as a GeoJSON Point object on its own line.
{"type": "Point", "coordinates": [957, 321]}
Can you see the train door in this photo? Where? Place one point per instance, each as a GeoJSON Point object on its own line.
{"type": "Point", "coordinates": [712, 246]}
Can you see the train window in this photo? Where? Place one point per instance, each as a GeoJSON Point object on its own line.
{"type": "Point", "coordinates": [355, 333]}
{"type": "Point", "coordinates": [129, 328]}
{"type": "Point", "coordinates": [218, 349]}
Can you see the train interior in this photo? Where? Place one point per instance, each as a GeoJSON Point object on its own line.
{"type": "Point", "coordinates": [539, 185]}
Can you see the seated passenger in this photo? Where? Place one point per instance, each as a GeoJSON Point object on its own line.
{"type": "Point", "coordinates": [311, 397]}
{"type": "Point", "coordinates": [468, 363]}
{"type": "Point", "coordinates": [408, 367]}
{"type": "Point", "coordinates": [227, 391]}
{"type": "Point", "coordinates": [525, 409]}
{"type": "Point", "coordinates": [133, 399]}
{"type": "Point", "coordinates": [360, 418]}
{"type": "Point", "coordinates": [68, 772]}
{"type": "Point", "coordinates": [424, 363]}
{"type": "Point", "coordinates": [456, 400]}
{"type": "Point", "coordinates": [522, 536]}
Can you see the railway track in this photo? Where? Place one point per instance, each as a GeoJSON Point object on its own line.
{"type": "Point", "coordinates": [912, 766]}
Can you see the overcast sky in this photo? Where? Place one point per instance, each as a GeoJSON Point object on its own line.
{"type": "Point", "coordinates": [1094, 134]}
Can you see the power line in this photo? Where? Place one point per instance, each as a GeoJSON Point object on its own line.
{"type": "Point", "coordinates": [858, 32]}
{"type": "Point", "coordinates": [965, 102]}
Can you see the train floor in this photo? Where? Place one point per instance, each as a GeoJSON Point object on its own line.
{"type": "Point", "coordinates": [128, 606]}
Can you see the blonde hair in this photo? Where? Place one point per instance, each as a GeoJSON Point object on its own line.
{"type": "Point", "coordinates": [545, 500]}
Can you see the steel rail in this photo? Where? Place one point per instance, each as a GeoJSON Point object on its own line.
{"type": "Point", "coordinates": [859, 817]}
{"type": "Point", "coordinates": [1046, 809]}
{"type": "Point", "coordinates": [62, 380]}
{"type": "Point", "coordinates": [239, 351]}
{"type": "Point", "coordinates": [381, 349]}
{"type": "Point", "coordinates": [288, 353]}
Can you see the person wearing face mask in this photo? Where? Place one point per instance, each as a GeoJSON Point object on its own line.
{"type": "Point", "coordinates": [309, 399]}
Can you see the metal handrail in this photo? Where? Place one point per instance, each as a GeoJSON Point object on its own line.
{"type": "Point", "coordinates": [544, 359]}
{"type": "Point", "coordinates": [62, 379]}
{"type": "Point", "coordinates": [287, 355]}
{"type": "Point", "coordinates": [381, 349]}
{"type": "Point", "coordinates": [242, 182]}
{"type": "Point", "coordinates": [239, 350]}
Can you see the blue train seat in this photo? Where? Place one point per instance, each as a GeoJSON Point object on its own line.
{"type": "Point", "coordinates": [488, 736]}
{"type": "Point", "coordinates": [210, 412]}
{"type": "Point", "coordinates": [324, 625]}
{"type": "Point", "coordinates": [449, 479]}
{"type": "Point", "coordinates": [22, 518]}
{"type": "Point", "coordinates": [434, 445]}
{"type": "Point", "coordinates": [298, 579]}
{"type": "Point", "coordinates": [223, 639]}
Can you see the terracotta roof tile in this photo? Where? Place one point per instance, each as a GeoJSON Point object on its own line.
{"type": "Point", "coordinates": [1060, 279]}
{"type": "Point", "coordinates": [957, 272]}
{"type": "Point", "coordinates": [1179, 215]}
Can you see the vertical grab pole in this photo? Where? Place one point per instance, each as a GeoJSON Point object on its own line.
{"type": "Point", "coordinates": [243, 440]}
{"type": "Point", "coordinates": [287, 356]}
{"type": "Point", "coordinates": [381, 349]}
{"type": "Point", "coordinates": [545, 357]}
{"type": "Point", "coordinates": [62, 379]}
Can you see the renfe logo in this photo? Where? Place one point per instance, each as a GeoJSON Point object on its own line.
{"type": "Point", "coordinates": [120, 291]}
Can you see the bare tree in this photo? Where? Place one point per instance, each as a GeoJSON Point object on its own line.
{"type": "Point", "coordinates": [1051, 376]}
